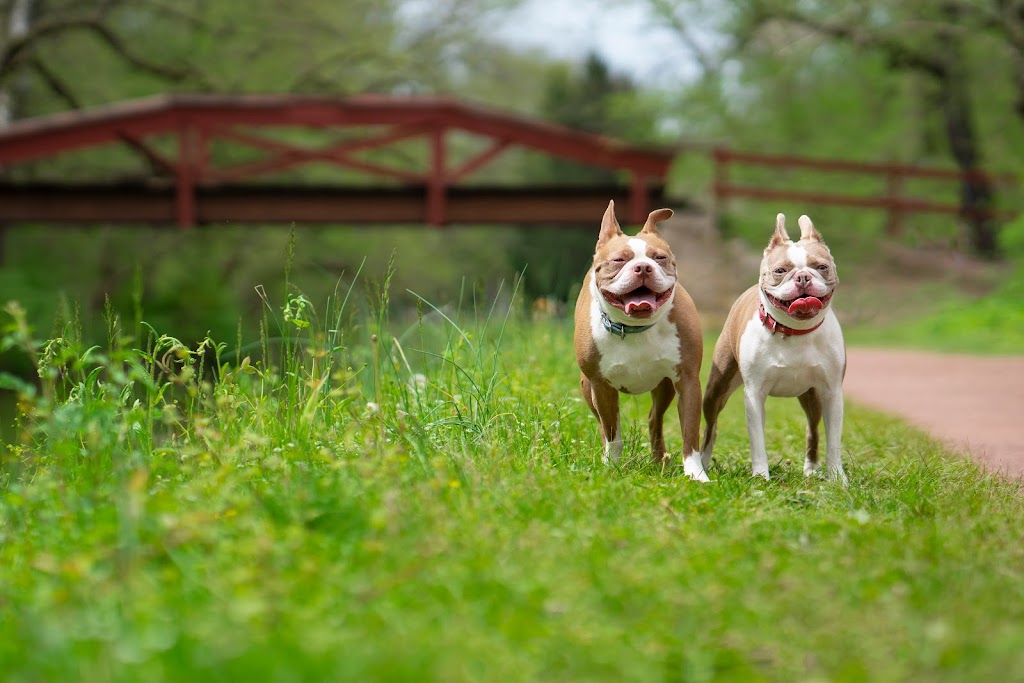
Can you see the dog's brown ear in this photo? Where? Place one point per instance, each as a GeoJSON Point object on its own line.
{"type": "Point", "coordinates": [655, 217]}
{"type": "Point", "coordinates": [807, 230]}
{"type": "Point", "coordinates": [781, 236]}
{"type": "Point", "coordinates": [609, 225]}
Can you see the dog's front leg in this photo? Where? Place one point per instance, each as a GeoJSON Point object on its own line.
{"type": "Point", "coordinates": [832, 410]}
{"type": "Point", "coordinates": [753, 401]}
{"type": "Point", "coordinates": [606, 405]}
{"type": "Point", "coordinates": [688, 405]}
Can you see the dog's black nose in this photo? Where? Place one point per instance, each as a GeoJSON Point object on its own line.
{"type": "Point", "coordinates": [643, 269]}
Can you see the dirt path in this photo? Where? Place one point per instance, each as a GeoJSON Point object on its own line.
{"type": "Point", "coordinates": [974, 403]}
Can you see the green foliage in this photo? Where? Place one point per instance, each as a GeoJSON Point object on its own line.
{"type": "Point", "coordinates": [395, 501]}
{"type": "Point", "coordinates": [906, 82]}
{"type": "Point", "coordinates": [988, 324]}
{"type": "Point", "coordinates": [1011, 239]}
{"type": "Point", "coordinates": [200, 282]}
{"type": "Point", "coordinates": [259, 46]}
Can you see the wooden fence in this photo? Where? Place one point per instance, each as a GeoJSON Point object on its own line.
{"type": "Point", "coordinates": [892, 199]}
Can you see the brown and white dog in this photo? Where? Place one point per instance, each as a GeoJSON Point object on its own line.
{"type": "Point", "coordinates": [637, 330]}
{"type": "Point", "coordinates": [781, 338]}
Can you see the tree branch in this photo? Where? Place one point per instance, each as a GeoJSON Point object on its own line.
{"type": "Point", "coordinates": [665, 10]}
{"type": "Point", "coordinates": [115, 43]}
{"type": "Point", "coordinates": [174, 11]}
{"type": "Point", "coordinates": [57, 86]}
{"type": "Point", "coordinates": [17, 51]}
{"type": "Point", "coordinates": [854, 33]}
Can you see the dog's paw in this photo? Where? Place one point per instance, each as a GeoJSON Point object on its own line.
{"type": "Point", "coordinates": [837, 474]}
{"type": "Point", "coordinates": [812, 467]}
{"type": "Point", "coordinates": [693, 467]}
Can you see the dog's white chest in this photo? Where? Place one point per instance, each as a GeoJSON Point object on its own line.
{"type": "Point", "coordinates": [776, 365]}
{"type": "Point", "coordinates": [639, 362]}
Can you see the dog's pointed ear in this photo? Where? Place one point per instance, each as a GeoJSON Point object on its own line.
{"type": "Point", "coordinates": [807, 230]}
{"type": "Point", "coordinates": [781, 236]}
{"type": "Point", "coordinates": [609, 225]}
{"type": "Point", "coordinates": [655, 217]}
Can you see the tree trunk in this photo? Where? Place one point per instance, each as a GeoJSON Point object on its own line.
{"type": "Point", "coordinates": [17, 26]}
{"type": "Point", "coordinates": [977, 196]}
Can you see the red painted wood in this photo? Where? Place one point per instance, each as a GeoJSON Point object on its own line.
{"type": "Point", "coordinates": [212, 117]}
{"type": "Point", "coordinates": [901, 204]}
{"type": "Point", "coordinates": [185, 202]}
{"type": "Point", "coordinates": [436, 179]}
{"type": "Point", "coordinates": [638, 207]}
{"type": "Point", "coordinates": [479, 161]}
{"type": "Point", "coordinates": [837, 165]}
{"type": "Point", "coordinates": [197, 119]}
{"type": "Point", "coordinates": [49, 135]}
{"type": "Point", "coordinates": [891, 201]}
{"type": "Point", "coordinates": [566, 207]}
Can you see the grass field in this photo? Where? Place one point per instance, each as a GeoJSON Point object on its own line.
{"type": "Point", "coordinates": [373, 501]}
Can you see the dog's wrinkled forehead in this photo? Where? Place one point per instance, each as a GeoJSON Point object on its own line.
{"type": "Point", "coordinates": [782, 252]}
{"type": "Point", "coordinates": [612, 241]}
{"type": "Point", "coordinates": [797, 254]}
{"type": "Point", "coordinates": [625, 245]}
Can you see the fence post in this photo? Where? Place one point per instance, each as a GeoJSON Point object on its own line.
{"type": "Point", "coordinates": [720, 183]}
{"type": "Point", "coordinates": [894, 200]}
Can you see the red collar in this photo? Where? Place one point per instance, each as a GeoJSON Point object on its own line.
{"type": "Point", "coordinates": [774, 325]}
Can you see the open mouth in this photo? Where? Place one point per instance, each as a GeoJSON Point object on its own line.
{"type": "Point", "coordinates": [801, 308]}
{"type": "Point", "coordinates": [642, 302]}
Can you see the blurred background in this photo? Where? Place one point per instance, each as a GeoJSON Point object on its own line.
{"type": "Point", "coordinates": [748, 97]}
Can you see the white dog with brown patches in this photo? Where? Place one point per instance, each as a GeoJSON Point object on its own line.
{"type": "Point", "coordinates": [781, 338]}
{"type": "Point", "coordinates": [637, 330]}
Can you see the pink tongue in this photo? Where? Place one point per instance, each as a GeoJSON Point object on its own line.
{"type": "Point", "coordinates": [636, 303]}
{"type": "Point", "coordinates": [804, 306]}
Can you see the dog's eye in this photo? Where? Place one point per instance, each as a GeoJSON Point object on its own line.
{"type": "Point", "coordinates": [823, 268]}
{"type": "Point", "coordinates": [660, 257]}
{"type": "Point", "coordinates": [618, 259]}
{"type": "Point", "coordinates": [780, 271]}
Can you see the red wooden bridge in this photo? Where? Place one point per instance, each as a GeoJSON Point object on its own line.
{"type": "Point", "coordinates": [173, 136]}
{"type": "Point", "coordinates": [209, 159]}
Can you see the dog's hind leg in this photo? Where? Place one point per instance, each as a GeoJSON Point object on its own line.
{"type": "Point", "coordinates": [812, 408]}
{"type": "Point", "coordinates": [724, 380]}
{"type": "Point", "coordinates": [661, 399]}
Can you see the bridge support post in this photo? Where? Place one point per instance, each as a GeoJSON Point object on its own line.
{"type": "Point", "coordinates": [185, 198]}
{"type": "Point", "coordinates": [638, 198]}
{"type": "Point", "coordinates": [436, 180]}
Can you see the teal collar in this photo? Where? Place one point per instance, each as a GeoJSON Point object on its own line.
{"type": "Point", "coordinates": [620, 330]}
